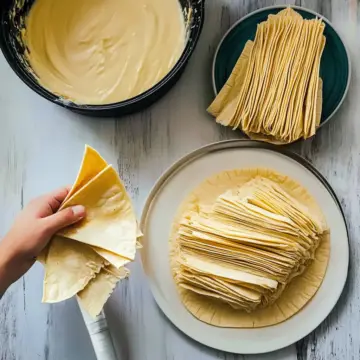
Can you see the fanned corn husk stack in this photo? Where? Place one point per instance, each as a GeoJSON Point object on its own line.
{"type": "Point", "coordinates": [238, 242]}
{"type": "Point", "coordinates": [274, 92]}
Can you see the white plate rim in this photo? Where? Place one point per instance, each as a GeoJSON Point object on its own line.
{"type": "Point", "coordinates": [328, 22]}
{"type": "Point", "coordinates": [192, 156]}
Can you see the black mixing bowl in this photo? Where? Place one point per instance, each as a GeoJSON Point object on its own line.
{"type": "Point", "coordinates": [13, 50]}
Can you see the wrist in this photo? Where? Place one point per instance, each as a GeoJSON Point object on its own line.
{"type": "Point", "coordinates": [5, 270]}
{"type": "Point", "coordinates": [13, 264]}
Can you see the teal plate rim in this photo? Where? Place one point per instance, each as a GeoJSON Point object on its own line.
{"type": "Point", "coordinates": [300, 8]}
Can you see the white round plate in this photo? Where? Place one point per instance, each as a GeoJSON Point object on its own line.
{"type": "Point", "coordinates": [177, 182]}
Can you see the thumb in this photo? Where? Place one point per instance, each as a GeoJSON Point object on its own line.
{"type": "Point", "coordinates": [63, 218]}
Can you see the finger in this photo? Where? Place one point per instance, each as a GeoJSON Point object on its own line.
{"type": "Point", "coordinates": [56, 198]}
{"type": "Point", "coordinates": [63, 218]}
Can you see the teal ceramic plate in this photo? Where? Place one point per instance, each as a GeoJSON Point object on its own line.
{"type": "Point", "coordinates": [335, 68]}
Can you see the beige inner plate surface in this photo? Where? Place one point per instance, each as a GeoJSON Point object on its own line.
{"type": "Point", "coordinates": [162, 207]}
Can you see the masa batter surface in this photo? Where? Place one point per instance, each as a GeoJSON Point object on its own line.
{"type": "Point", "coordinates": [103, 51]}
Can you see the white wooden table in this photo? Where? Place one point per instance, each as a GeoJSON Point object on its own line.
{"type": "Point", "coordinates": [41, 146]}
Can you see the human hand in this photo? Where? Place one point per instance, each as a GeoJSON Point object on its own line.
{"type": "Point", "coordinates": [31, 232]}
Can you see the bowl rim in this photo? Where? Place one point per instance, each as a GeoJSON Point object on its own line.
{"type": "Point", "coordinates": [194, 33]}
{"type": "Point", "coordinates": [322, 17]}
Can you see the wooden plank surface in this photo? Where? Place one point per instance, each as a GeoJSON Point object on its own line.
{"type": "Point", "coordinates": [41, 146]}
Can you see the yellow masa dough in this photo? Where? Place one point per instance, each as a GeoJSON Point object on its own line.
{"type": "Point", "coordinates": [296, 294]}
{"type": "Point", "coordinates": [103, 51]}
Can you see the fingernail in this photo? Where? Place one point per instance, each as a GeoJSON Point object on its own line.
{"type": "Point", "coordinates": [78, 211]}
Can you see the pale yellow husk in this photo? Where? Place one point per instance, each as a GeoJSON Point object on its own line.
{"type": "Point", "coordinates": [88, 258]}
{"type": "Point", "coordinates": [70, 267]}
{"type": "Point", "coordinates": [96, 293]}
{"type": "Point", "coordinates": [110, 221]}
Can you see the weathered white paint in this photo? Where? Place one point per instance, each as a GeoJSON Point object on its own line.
{"type": "Point", "coordinates": [41, 146]}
